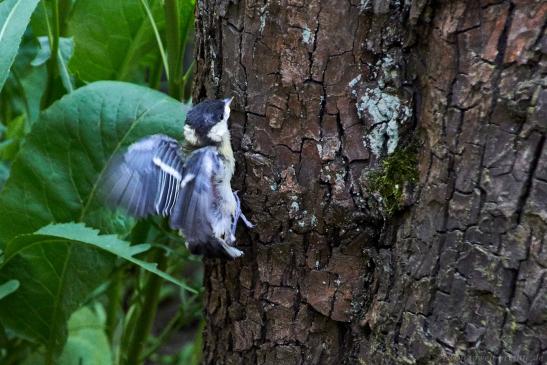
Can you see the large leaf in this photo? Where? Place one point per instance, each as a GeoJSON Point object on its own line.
{"type": "Point", "coordinates": [14, 134]}
{"type": "Point", "coordinates": [55, 175]}
{"type": "Point", "coordinates": [58, 267]}
{"type": "Point", "coordinates": [112, 38]}
{"type": "Point", "coordinates": [56, 276]}
{"type": "Point", "coordinates": [110, 243]}
{"type": "Point", "coordinates": [14, 17]}
{"type": "Point", "coordinates": [87, 341]}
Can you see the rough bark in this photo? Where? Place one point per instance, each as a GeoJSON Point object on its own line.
{"type": "Point", "coordinates": [326, 90]}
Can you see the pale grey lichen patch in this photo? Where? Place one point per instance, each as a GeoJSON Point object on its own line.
{"type": "Point", "coordinates": [386, 112]}
{"type": "Point", "coordinates": [376, 138]}
{"type": "Point", "coordinates": [386, 62]}
{"type": "Point", "coordinates": [354, 82]}
{"type": "Point", "coordinates": [363, 5]}
{"type": "Point", "coordinates": [320, 148]}
{"type": "Point", "coordinates": [213, 57]}
{"type": "Point", "coordinates": [392, 131]}
{"type": "Point", "coordinates": [304, 220]}
{"type": "Point", "coordinates": [389, 69]}
{"type": "Point", "coordinates": [294, 208]}
{"type": "Point", "coordinates": [307, 36]}
{"type": "Point", "coordinates": [339, 177]}
{"type": "Point", "coordinates": [383, 110]}
{"type": "Point", "coordinates": [263, 16]}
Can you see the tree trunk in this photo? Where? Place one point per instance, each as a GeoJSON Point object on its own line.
{"type": "Point", "coordinates": [339, 106]}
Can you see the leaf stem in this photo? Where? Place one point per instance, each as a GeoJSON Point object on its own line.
{"type": "Point", "coordinates": [48, 25]}
{"type": "Point", "coordinates": [65, 6]}
{"type": "Point", "coordinates": [174, 46]}
{"type": "Point", "coordinates": [114, 294]}
{"type": "Point", "coordinates": [48, 358]}
{"type": "Point", "coordinates": [157, 34]}
{"type": "Point", "coordinates": [129, 58]}
{"type": "Point", "coordinates": [148, 311]}
{"type": "Point", "coordinates": [56, 31]}
{"type": "Point", "coordinates": [53, 37]}
{"type": "Point", "coordinates": [174, 324]}
{"type": "Point", "coordinates": [186, 90]}
{"type": "Point", "coordinates": [155, 74]}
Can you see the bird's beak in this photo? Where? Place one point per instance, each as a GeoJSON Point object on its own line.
{"type": "Point", "coordinates": [228, 101]}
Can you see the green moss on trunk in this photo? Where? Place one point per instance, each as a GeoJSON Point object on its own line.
{"type": "Point", "coordinates": [396, 171]}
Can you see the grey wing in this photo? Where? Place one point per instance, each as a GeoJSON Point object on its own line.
{"type": "Point", "coordinates": [146, 178]}
{"type": "Point", "coordinates": [198, 205]}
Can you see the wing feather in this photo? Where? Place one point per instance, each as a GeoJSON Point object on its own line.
{"type": "Point", "coordinates": [145, 179]}
{"type": "Point", "coordinates": [152, 177]}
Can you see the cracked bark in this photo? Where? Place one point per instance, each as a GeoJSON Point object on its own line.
{"type": "Point", "coordinates": [459, 274]}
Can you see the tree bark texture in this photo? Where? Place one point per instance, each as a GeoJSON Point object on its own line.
{"type": "Point", "coordinates": [324, 92]}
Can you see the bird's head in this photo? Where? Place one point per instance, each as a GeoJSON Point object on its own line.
{"type": "Point", "coordinates": [207, 123]}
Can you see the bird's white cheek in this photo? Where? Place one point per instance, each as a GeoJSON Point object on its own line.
{"type": "Point", "coordinates": [226, 113]}
{"type": "Point", "coordinates": [218, 132]}
{"type": "Point", "coordinates": [190, 135]}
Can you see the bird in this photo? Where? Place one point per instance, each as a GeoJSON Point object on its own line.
{"type": "Point", "coordinates": [189, 183]}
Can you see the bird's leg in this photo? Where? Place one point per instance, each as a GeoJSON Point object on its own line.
{"type": "Point", "coordinates": [247, 222]}
{"type": "Point", "coordinates": [239, 214]}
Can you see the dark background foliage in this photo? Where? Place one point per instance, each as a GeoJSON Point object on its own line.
{"type": "Point", "coordinates": [79, 81]}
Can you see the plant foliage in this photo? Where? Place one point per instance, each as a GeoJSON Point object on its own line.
{"type": "Point", "coordinates": [14, 17]}
{"type": "Point", "coordinates": [80, 80]}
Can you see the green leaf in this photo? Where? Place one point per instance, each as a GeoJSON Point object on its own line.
{"type": "Point", "coordinates": [112, 38]}
{"type": "Point", "coordinates": [56, 276]}
{"type": "Point", "coordinates": [13, 136]}
{"type": "Point", "coordinates": [87, 341]}
{"type": "Point", "coordinates": [40, 18]}
{"type": "Point", "coordinates": [58, 267]}
{"type": "Point", "coordinates": [55, 175]}
{"type": "Point", "coordinates": [25, 85]}
{"type": "Point", "coordinates": [8, 287]}
{"type": "Point", "coordinates": [110, 243]}
{"type": "Point", "coordinates": [33, 85]}
{"type": "Point", "coordinates": [14, 17]}
{"type": "Point", "coordinates": [66, 47]}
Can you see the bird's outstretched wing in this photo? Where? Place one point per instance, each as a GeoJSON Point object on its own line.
{"type": "Point", "coordinates": [202, 211]}
{"type": "Point", "coordinates": [153, 178]}
{"type": "Point", "coordinates": [146, 179]}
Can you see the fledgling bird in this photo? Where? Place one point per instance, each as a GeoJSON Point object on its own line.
{"type": "Point", "coordinates": [155, 177]}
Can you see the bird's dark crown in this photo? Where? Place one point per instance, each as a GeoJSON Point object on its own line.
{"type": "Point", "coordinates": [205, 115]}
{"type": "Point", "coordinates": [206, 123]}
